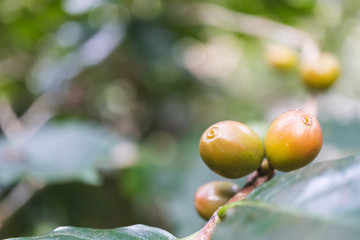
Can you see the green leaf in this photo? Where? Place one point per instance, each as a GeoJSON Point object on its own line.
{"type": "Point", "coordinates": [320, 201]}
{"type": "Point", "coordinates": [124, 233]}
{"type": "Point", "coordinates": [58, 153]}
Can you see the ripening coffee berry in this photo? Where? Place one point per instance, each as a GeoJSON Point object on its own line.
{"type": "Point", "coordinates": [321, 73]}
{"type": "Point", "coordinates": [210, 196]}
{"type": "Point", "coordinates": [231, 149]}
{"type": "Point", "coordinates": [281, 57]}
{"type": "Point", "coordinates": [293, 140]}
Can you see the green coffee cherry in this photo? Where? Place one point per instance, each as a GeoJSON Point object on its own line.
{"type": "Point", "coordinates": [293, 140]}
{"type": "Point", "coordinates": [281, 57]}
{"type": "Point", "coordinates": [231, 149]}
{"type": "Point", "coordinates": [210, 196]}
{"type": "Point", "coordinates": [321, 73]}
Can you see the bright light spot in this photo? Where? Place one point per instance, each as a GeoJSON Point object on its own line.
{"type": "Point", "coordinates": [98, 47]}
{"type": "Point", "coordinates": [119, 98]}
{"type": "Point", "coordinates": [50, 74]}
{"type": "Point", "coordinates": [213, 198]}
{"type": "Point", "coordinates": [216, 60]}
{"type": "Point", "coordinates": [124, 154]}
{"type": "Point", "coordinates": [60, 229]}
{"type": "Point", "coordinates": [318, 185]}
{"type": "Point", "coordinates": [10, 10]}
{"type": "Point", "coordinates": [11, 5]}
{"type": "Point", "coordinates": [79, 6]}
{"type": "Point", "coordinates": [69, 34]}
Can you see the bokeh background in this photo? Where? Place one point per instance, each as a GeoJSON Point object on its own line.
{"type": "Point", "coordinates": [103, 102]}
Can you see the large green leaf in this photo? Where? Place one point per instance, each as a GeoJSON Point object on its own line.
{"type": "Point", "coordinates": [125, 233]}
{"type": "Point", "coordinates": [318, 202]}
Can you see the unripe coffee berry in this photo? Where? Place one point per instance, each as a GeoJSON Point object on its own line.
{"type": "Point", "coordinates": [293, 140]}
{"type": "Point", "coordinates": [281, 57]}
{"type": "Point", "coordinates": [210, 196]}
{"type": "Point", "coordinates": [231, 149]}
{"type": "Point", "coordinates": [320, 74]}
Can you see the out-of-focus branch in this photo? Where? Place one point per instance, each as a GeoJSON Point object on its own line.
{"type": "Point", "coordinates": [37, 115]}
{"type": "Point", "coordinates": [214, 15]}
{"type": "Point", "coordinates": [18, 196]}
{"type": "Point", "coordinates": [17, 130]}
{"type": "Point", "coordinates": [9, 122]}
{"type": "Point", "coordinates": [40, 110]}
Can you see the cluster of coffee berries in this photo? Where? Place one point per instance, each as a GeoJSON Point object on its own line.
{"type": "Point", "coordinates": [318, 74]}
{"type": "Point", "coordinates": [233, 150]}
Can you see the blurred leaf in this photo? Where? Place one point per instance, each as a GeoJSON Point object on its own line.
{"type": "Point", "coordinates": [125, 233]}
{"type": "Point", "coordinates": [317, 202]}
{"type": "Point", "coordinates": [57, 153]}
{"type": "Point", "coordinates": [344, 136]}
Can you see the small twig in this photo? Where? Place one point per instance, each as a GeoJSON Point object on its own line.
{"type": "Point", "coordinates": [37, 115]}
{"type": "Point", "coordinates": [214, 15]}
{"type": "Point", "coordinates": [40, 110]}
{"type": "Point", "coordinates": [19, 130]}
{"type": "Point", "coordinates": [208, 230]}
{"type": "Point", "coordinates": [18, 196]}
{"type": "Point", "coordinates": [256, 179]}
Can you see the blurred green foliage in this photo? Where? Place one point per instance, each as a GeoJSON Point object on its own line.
{"type": "Point", "coordinates": [150, 81]}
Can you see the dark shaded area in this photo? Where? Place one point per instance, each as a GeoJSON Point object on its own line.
{"type": "Point", "coordinates": [79, 205]}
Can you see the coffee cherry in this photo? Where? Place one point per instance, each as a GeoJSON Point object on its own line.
{"type": "Point", "coordinates": [281, 57]}
{"type": "Point", "coordinates": [321, 73]}
{"type": "Point", "coordinates": [210, 196]}
{"type": "Point", "coordinates": [293, 140]}
{"type": "Point", "coordinates": [231, 149]}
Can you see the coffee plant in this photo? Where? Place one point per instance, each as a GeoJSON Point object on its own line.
{"type": "Point", "coordinates": [202, 120]}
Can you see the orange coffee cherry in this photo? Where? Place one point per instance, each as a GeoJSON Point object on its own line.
{"type": "Point", "coordinates": [281, 57]}
{"type": "Point", "coordinates": [210, 196]}
{"type": "Point", "coordinates": [293, 140]}
{"type": "Point", "coordinates": [321, 73]}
